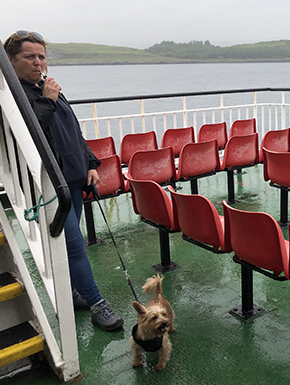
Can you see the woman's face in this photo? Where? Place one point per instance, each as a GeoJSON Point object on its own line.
{"type": "Point", "coordinates": [30, 62]}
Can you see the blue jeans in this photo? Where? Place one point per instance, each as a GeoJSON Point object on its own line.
{"type": "Point", "coordinates": [81, 274]}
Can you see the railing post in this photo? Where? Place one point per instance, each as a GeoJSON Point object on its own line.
{"type": "Point", "coordinates": [263, 121]}
{"type": "Point", "coordinates": [276, 118]}
{"type": "Point", "coordinates": [255, 105]}
{"type": "Point", "coordinates": [96, 124]}
{"type": "Point", "coordinates": [120, 128]}
{"type": "Point", "coordinates": [184, 112]}
{"type": "Point", "coordinates": [84, 131]}
{"type": "Point", "coordinates": [142, 115]}
{"type": "Point", "coordinates": [283, 111]}
{"type": "Point", "coordinates": [222, 107]}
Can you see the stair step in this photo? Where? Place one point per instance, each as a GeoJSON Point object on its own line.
{"type": "Point", "coordinates": [4, 199]}
{"type": "Point", "coordinates": [9, 287]}
{"type": "Point", "coordinates": [19, 342]}
{"type": "Point", "coordinates": [2, 239]}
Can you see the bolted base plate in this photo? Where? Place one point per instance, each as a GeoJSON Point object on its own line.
{"type": "Point", "coordinates": [246, 315]}
{"type": "Point", "coordinates": [283, 224]}
{"type": "Point", "coordinates": [164, 269]}
{"type": "Point", "coordinates": [97, 240]}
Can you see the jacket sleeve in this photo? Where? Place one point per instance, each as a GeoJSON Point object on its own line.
{"type": "Point", "coordinates": [94, 162]}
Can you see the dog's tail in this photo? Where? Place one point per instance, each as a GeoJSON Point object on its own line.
{"type": "Point", "coordinates": [154, 283]}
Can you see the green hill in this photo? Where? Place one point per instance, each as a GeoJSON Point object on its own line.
{"type": "Point", "coordinates": [199, 51]}
{"type": "Point", "coordinates": [167, 52]}
{"type": "Point", "coordinates": [83, 53]}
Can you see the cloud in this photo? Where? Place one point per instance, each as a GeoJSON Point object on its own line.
{"type": "Point", "coordinates": [140, 24]}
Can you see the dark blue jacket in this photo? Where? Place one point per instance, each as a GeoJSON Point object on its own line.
{"type": "Point", "coordinates": [63, 133]}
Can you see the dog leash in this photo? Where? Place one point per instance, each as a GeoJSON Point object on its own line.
{"type": "Point", "coordinates": [97, 197]}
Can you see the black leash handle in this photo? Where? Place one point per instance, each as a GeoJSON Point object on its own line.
{"type": "Point", "coordinates": [97, 197]}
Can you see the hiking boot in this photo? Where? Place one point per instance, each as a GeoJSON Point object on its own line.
{"type": "Point", "coordinates": [104, 316]}
{"type": "Point", "coordinates": [79, 302]}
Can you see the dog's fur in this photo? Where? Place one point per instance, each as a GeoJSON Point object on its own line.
{"type": "Point", "coordinates": [154, 320]}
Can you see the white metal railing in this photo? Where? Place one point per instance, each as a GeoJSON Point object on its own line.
{"type": "Point", "coordinates": [18, 154]}
{"type": "Point", "coordinates": [269, 115]}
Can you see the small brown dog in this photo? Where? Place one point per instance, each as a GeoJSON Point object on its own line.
{"type": "Point", "coordinates": [155, 320]}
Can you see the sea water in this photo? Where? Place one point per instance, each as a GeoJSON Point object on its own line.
{"type": "Point", "coordinates": [105, 81]}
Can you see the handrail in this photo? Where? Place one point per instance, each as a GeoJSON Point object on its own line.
{"type": "Point", "coordinates": [40, 141]}
{"type": "Point", "coordinates": [174, 95]}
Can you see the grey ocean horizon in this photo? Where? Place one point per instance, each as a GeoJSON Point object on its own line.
{"type": "Point", "coordinates": [92, 82]}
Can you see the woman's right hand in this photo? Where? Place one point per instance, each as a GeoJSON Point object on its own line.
{"type": "Point", "coordinates": [51, 89]}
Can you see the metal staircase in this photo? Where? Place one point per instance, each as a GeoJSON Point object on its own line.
{"type": "Point", "coordinates": [19, 335]}
{"type": "Point", "coordinates": [36, 310]}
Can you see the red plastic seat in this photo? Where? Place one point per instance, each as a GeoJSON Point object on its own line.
{"type": "Point", "coordinates": [240, 151]}
{"type": "Point", "coordinates": [153, 204]}
{"type": "Point", "coordinates": [277, 140]}
{"type": "Point", "coordinates": [216, 131]}
{"type": "Point", "coordinates": [243, 127]}
{"type": "Point", "coordinates": [276, 169]}
{"type": "Point", "coordinates": [111, 177]}
{"type": "Point", "coordinates": [111, 184]}
{"type": "Point", "coordinates": [157, 165]}
{"type": "Point", "coordinates": [259, 245]}
{"type": "Point", "coordinates": [137, 142]}
{"type": "Point", "coordinates": [177, 138]}
{"type": "Point", "coordinates": [199, 221]}
{"type": "Point", "coordinates": [102, 147]}
{"type": "Point", "coordinates": [198, 160]}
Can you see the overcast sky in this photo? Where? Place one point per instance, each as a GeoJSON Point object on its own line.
{"type": "Point", "coordinates": [142, 23]}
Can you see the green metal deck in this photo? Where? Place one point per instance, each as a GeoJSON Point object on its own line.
{"type": "Point", "coordinates": [210, 346]}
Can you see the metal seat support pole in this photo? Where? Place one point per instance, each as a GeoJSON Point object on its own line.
{"type": "Point", "coordinates": [247, 289]}
{"type": "Point", "coordinates": [164, 248]}
{"type": "Point", "coordinates": [248, 309]}
{"type": "Point", "coordinates": [166, 264]}
{"type": "Point", "coordinates": [231, 188]}
{"type": "Point", "coordinates": [193, 186]}
{"type": "Point", "coordinates": [283, 207]}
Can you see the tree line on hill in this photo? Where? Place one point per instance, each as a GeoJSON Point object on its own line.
{"type": "Point", "coordinates": [198, 50]}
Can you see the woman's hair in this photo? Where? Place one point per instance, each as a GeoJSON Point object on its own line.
{"type": "Point", "coordinates": [14, 43]}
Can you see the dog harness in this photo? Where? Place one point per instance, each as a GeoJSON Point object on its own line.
{"type": "Point", "coordinates": [151, 345]}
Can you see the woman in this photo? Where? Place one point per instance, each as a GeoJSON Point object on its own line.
{"type": "Point", "coordinates": [27, 53]}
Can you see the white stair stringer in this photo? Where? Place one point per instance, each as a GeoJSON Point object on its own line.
{"type": "Point", "coordinates": [45, 331]}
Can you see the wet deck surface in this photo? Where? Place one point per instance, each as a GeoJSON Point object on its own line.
{"type": "Point", "coordinates": [210, 346]}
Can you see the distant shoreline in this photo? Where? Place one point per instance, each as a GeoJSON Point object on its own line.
{"type": "Point", "coordinates": [162, 63]}
{"type": "Point", "coordinates": [167, 52]}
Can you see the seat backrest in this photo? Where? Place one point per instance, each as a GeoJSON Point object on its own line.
{"type": "Point", "coordinates": [276, 167]}
{"type": "Point", "coordinates": [137, 142]}
{"type": "Point", "coordinates": [177, 138]}
{"type": "Point", "coordinates": [256, 238]}
{"type": "Point", "coordinates": [216, 131]}
{"type": "Point", "coordinates": [243, 127]}
{"type": "Point", "coordinates": [198, 219]}
{"type": "Point", "coordinates": [152, 202]}
{"type": "Point", "coordinates": [276, 140]}
{"type": "Point", "coordinates": [111, 177]}
{"type": "Point", "coordinates": [157, 165]}
{"type": "Point", "coordinates": [102, 147]}
{"type": "Point", "coordinates": [241, 150]}
{"type": "Point", "coordinates": [198, 159]}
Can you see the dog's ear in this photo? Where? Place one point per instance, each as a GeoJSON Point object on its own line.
{"type": "Point", "coordinates": [140, 309]}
